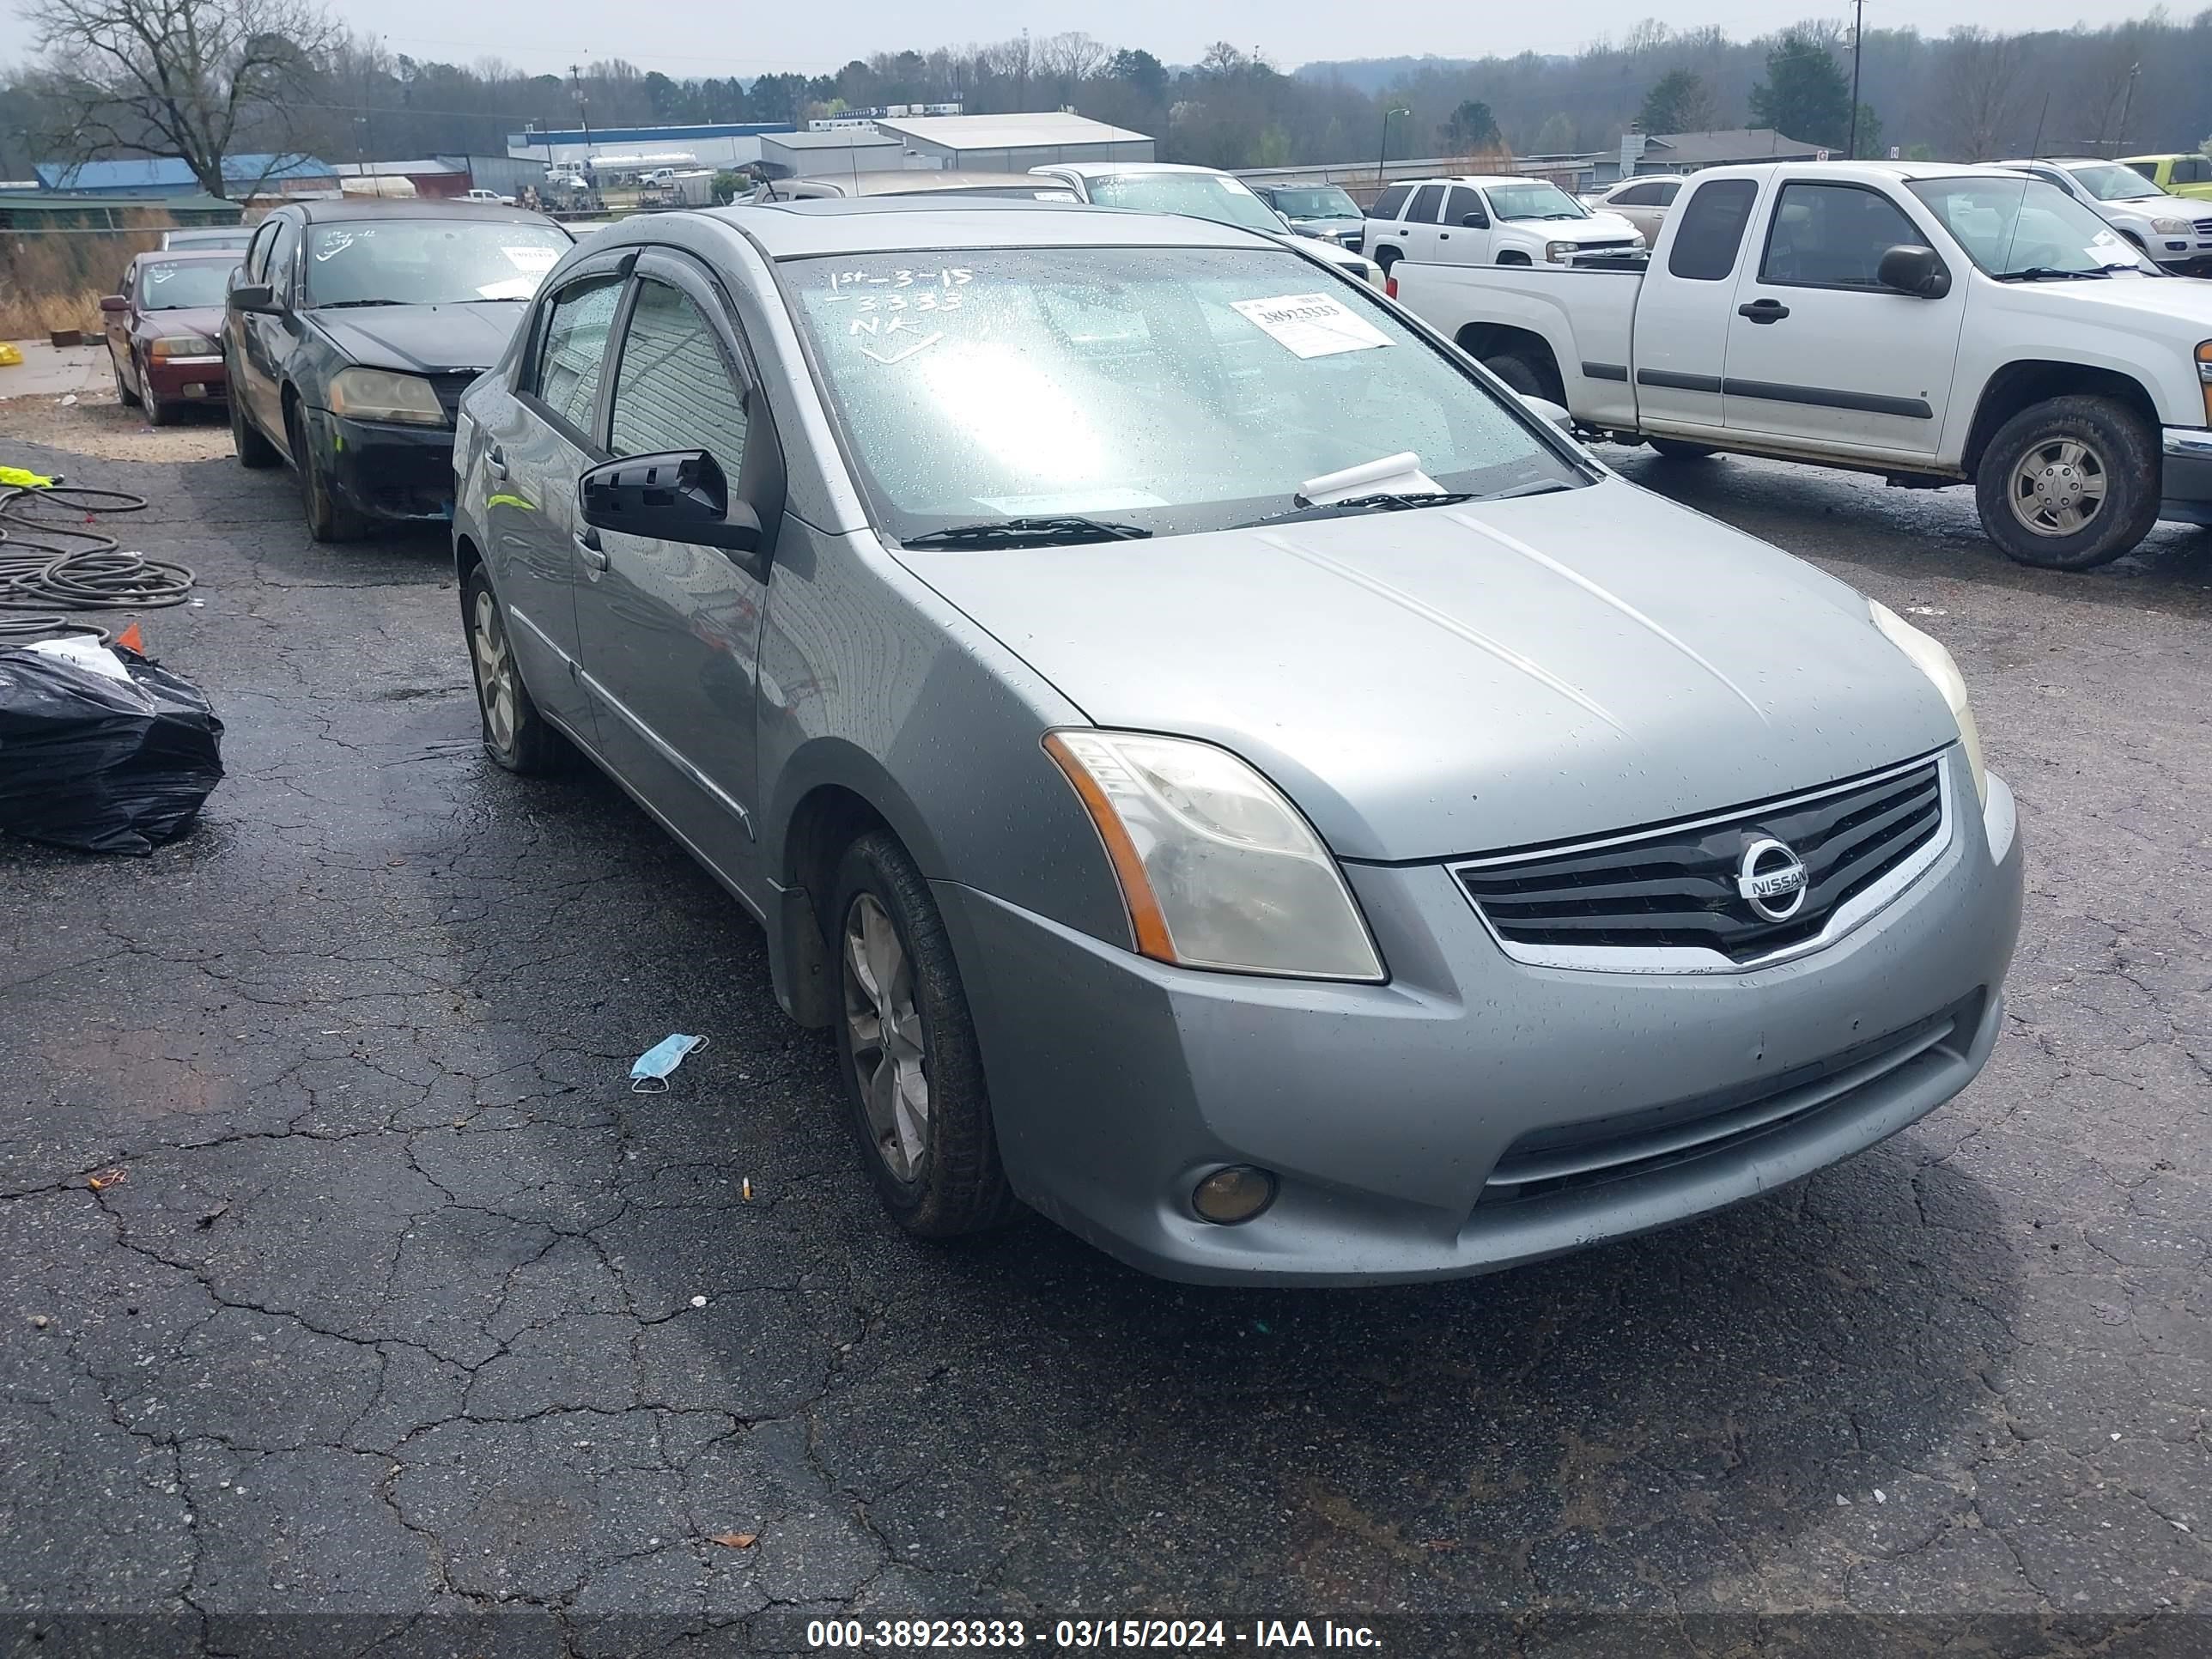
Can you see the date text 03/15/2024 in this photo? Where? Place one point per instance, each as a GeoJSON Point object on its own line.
{"type": "Point", "coordinates": [1085, 1635]}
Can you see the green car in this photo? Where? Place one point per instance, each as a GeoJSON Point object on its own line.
{"type": "Point", "coordinates": [2188, 174]}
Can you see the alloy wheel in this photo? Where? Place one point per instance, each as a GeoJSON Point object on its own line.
{"type": "Point", "coordinates": [2058, 487]}
{"type": "Point", "coordinates": [884, 1026]}
{"type": "Point", "coordinates": [494, 671]}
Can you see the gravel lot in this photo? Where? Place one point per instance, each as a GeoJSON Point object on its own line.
{"type": "Point", "coordinates": [388, 1302]}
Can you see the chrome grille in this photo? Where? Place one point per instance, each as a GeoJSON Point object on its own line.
{"type": "Point", "coordinates": [1673, 888]}
{"type": "Point", "coordinates": [449, 388]}
{"type": "Point", "coordinates": [2204, 226]}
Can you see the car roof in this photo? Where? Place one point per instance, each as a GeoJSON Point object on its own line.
{"type": "Point", "coordinates": [353, 210]}
{"type": "Point", "coordinates": [187, 255]}
{"type": "Point", "coordinates": [894, 181]}
{"type": "Point", "coordinates": [1102, 169]}
{"type": "Point", "coordinates": [2162, 155]}
{"type": "Point", "coordinates": [889, 224]}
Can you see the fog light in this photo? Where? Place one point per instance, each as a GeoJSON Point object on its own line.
{"type": "Point", "coordinates": [1234, 1194]}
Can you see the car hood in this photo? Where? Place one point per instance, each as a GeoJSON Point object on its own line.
{"type": "Point", "coordinates": [1603, 225]}
{"type": "Point", "coordinates": [203, 320]}
{"type": "Point", "coordinates": [422, 339]}
{"type": "Point", "coordinates": [2175, 309]}
{"type": "Point", "coordinates": [1336, 221]}
{"type": "Point", "coordinates": [1457, 680]}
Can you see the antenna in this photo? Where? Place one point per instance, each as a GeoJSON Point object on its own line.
{"type": "Point", "coordinates": [2035, 148]}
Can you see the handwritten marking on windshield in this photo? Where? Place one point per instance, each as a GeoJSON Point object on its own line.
{"type": "Point", "coordinates": [900, 356]}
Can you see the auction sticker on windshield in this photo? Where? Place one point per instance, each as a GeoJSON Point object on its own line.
{"type": "Point", "coordinates": [1311, 324]}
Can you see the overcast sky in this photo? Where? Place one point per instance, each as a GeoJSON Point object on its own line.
{"type": "Point", "coordinates": [712, 37]}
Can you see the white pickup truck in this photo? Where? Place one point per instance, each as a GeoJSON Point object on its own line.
{"type": "Point", "coordinates": [1936, 324]}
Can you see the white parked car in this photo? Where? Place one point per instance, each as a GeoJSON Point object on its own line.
{"type": "Point", "coordinates": [1934, 323]}
{"type": "Point", "coordinates": [1198, 193]}
{"type": "Point", "coordinates": [1642, 202]}
{"type": "Point", "coordinates": [482, 194]}
{"type": "Point", "coordinates": [2171, 230]}
{"type": "Point", "coordinates": [1490, 221]}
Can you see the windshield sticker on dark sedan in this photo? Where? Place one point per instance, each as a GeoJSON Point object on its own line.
{"type": "Point", "coordinates": [1311, 324]}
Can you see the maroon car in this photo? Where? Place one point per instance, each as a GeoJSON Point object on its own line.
{"type": "Point", "coordinates": [165, 330]}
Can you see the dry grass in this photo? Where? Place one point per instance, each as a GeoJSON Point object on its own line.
{"type": "Point", "coordinates": [54, 279]}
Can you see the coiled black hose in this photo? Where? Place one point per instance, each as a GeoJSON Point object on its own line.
{"type": "Point", "coordinates": [86, 570]}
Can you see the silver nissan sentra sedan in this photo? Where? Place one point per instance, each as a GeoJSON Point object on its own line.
{"type": "Point", "coordinates": [1229, 775]}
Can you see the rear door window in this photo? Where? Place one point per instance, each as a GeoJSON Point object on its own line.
{"type": "Point", "coordinates": [2192, 170]}
{"type": "Point", "coordinates": [1712, 230]}
{"type": "Point", "coordinates": [1426, 200]}
{"type": "Point", "coordinates": [573, 352]}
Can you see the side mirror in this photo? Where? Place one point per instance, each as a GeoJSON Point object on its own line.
{"type": "Point", "coordinates": [253, 296]}
{"type": "Point", "coordinates": [1545, 409]}
{"type": "Point", "coordinates": [1284, 217]}
{"type": "Point", "coordinates": [1474, 222]}
{"type": "Point", "coordinates": [680, 496]}
{"type": "Point", "coordinates": [113, 302]}
{"type": "Point", "coordinates": [1913, 269]}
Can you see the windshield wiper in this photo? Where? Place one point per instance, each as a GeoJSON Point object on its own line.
{"type": "Point", "coordinates": [2050, 274]}
{"type": "Point", "coordinates": [1029, 532]}
{"type": "Point", "coordinates": [1388, 502]}
{"type": "Point", "coordinates": [342, 305]}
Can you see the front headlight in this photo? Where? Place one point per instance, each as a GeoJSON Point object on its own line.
{"type": "Point", "coordinates": [184, 345]}
{"type": "Point", "coordinates": [1560, 252]}
{"type": "Point", "coordinates": [2171, 226]}
{"type": "Point", "coordinates": [1218, 869]}
{"type": "Point", "coordinates": [378, 394]}
{"type": "Point", "coordinates": [1928, 655]}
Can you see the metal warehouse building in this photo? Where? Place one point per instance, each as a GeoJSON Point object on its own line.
{"type": "Point", "coordinates": [839, 153]}
{"type": "Point", "coordinates": [1012, 143]}
{"type": "Point", "coordinates": [716, 144]}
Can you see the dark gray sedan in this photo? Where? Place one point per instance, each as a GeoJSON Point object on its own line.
{"type": "Point", "coordinates": [1228, 773]}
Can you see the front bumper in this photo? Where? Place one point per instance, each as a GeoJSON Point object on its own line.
{"type": "Point", "coordinates": [187, 380]}
{"type": "Point", "coordinates": [2186, 475]}
{"type": "Point", "coordinates": [1431, 1127]}
{"type": "Point", "coordinates": [386, 470]}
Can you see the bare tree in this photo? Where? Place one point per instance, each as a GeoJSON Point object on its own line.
{"type": "Point", "coordinates": [186, 79]}
{"type": "Point", "coordinates": [1071, 58]}
{"type": "Point", "coordinates": [1981, 77]}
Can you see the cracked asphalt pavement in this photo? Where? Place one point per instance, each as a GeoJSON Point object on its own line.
{"type": "Point", "coordinates": [388, 1303]}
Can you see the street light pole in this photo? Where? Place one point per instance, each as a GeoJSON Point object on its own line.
{"type": "Point", "coordinates": [1383, 153]}
{"type": "Point", "coordinates": [1858, 40]}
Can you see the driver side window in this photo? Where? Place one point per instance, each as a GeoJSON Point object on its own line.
{"type": "Point", "coordinates": [283, 252]}
{"type": "Point", "coordinates": [1833, 236]}
{"type": "Point", "coordinates": [673, 389]}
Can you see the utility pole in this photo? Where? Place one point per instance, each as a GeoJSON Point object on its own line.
{"type": "Point", "coordinates": [1858, 39]}
{"type": "Point", "coordinates": [1382, 155]}
{"type": "Point", "coordinates": [2121, 143]}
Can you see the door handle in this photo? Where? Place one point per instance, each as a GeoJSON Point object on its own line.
{"type": "Point", "coordinates": [1764, 311]}
{"type": "Point", "coordinates": [496, 457]}
{"type": "Point", "coordinates": [588, 548]}
{"type": "Point", "coordinates": [1443, 236]}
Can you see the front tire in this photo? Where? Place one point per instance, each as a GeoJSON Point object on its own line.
{"type": "Point", "coordinates": [157, 412]}
{"type": "Point", "coordinates": [515, 735]}
{"type": "Point", "coordinates": [1675, 449]}
{"type": "Point", "coordinates": [907, 1051]}
{"type": "Point", "coordinates": [329, 519]}
{"type": "Point", "coordinates": [253, 451]}
{"type": "Point", "coordinates": [125, 393]}
{"type": "Point", "coordinates": [2069, 484]}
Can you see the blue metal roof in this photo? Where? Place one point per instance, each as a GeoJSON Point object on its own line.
{"type": "Point", "coordinates": [164, 175]}
{"type": "Point", "coordinates": [647, 135]}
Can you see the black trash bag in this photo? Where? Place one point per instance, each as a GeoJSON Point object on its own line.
{"type": "Point", "coordinates": [107, 765]}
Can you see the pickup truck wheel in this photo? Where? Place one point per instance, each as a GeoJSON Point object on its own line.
{"type": "Point", "coordinates": [907, 1049]}
{"type": "Point", "coordinates": [1675, 449]}
{"type": "Point", "coordinates": [2069, 484]}
{"type": "Point", "coordinates": [1526, 376]}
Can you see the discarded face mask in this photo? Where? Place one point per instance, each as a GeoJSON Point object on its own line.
{"type": "Point", "coordinates": [649, 1075]}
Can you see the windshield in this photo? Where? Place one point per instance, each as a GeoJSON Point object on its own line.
{"type": "Point", "coordinates": [1199, 195]}
{"type": "Point", "coordinates": [428, 262]}
{"type": "Point", "coordinates": [183, 284]}
{"type": "Point", "coordinates": [2013, 227]}
{"type": "Point", "coordinates": [1328, 202]}
{"type": "Point", "coordinates": [1172, 389]}
{"type": "Point", "coordinates": [1534, 200]}
{"type": "Point", "coordinates": [2108, 183]}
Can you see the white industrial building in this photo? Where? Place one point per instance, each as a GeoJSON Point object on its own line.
{"type": "Point", "coordinates": [839, 152]}
{"type": "Point", "coordinates": [1012, 144]}
{"type": "Point", "coordinates": [710, 144]}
